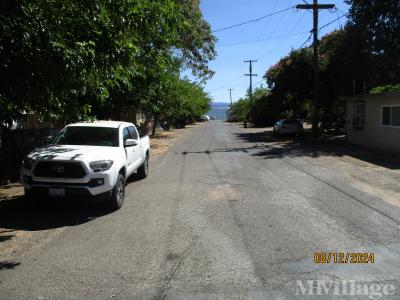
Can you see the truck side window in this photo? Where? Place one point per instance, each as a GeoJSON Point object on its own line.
{"type": "Point", "coordinates": [125, 135]}
{"type": "Point", "coordinates": [133, 133]}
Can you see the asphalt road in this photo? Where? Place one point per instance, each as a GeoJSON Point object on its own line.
{"type": "Point", "coordinates": [223, 215]}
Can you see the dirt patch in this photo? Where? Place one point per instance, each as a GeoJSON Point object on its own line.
{"type": "Point", "coordinates": [8, 237]}
{"type": "Point", "coordinates": [367, 177]}
{"type": "Point", "coordinates": [10, 191]}
{"type": "Point", "coordinates": [223, 192]}
{"type": "Point", "coordinates": [15, 242]}
{"type": "Point", "coordinates": [162, 141]}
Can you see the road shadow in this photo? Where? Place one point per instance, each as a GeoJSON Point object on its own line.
{"type": "Point", "coordinates": [7, 265]}
{"type": "Point", "coordinates": [18, 213]}
{"type": "Point", "coordinates": [327, 145]}
{"type": "Point", "coordinates": [268, 146]}
{"type": "Point", "coordinates": [5, 237]}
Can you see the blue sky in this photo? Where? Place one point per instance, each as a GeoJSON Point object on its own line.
{"type": "Point", "coordinates": [229, 66]}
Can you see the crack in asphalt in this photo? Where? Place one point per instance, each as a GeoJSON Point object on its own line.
{"type": "Point", "coordinates": [167, 282]}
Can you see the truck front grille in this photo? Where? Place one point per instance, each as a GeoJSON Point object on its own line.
{"type": "Point", "coordinates": [55, 169]}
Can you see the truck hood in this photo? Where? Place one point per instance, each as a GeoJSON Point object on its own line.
{"type": "Point", "coordinates": [73, 152]}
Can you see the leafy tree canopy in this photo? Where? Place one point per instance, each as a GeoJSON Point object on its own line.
{"type": "Point", "coordinates": [377, 25]}
{"type": "Point", "coordinates": [64, 58]}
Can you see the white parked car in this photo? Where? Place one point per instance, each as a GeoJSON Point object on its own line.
{"type": "Point", "coordinates": [288, 126]}
{"type": "Point", "coordinates": [89, 159]}
{"type": "Point", "coordinates": [204, 118]}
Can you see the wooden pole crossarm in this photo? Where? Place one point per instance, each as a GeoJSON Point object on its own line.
{"type": "Point", "coordinates": [311, 6]}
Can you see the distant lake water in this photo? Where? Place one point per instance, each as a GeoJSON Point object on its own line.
{"type": "Point", "coordinates": [218, 110]}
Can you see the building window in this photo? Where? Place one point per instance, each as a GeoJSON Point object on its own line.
{"type": "Point", "coordinates": [359, 108]}
{"type": "Point", "coordinates": [359, 113]}
{"type": "Point", "coordinates": [391, 116]}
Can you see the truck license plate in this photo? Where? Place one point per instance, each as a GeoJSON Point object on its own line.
{"type": "Point", "coordinates": [56, 192]}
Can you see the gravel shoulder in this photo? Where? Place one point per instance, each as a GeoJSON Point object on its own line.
{"type": "Point", "coordinates": [163, 140]}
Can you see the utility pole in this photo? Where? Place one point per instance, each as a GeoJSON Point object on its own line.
{"type": "Point", "coordinates": [230, 95]}
{"type": "Point", "coordinates": [251, 75]}
{"type": "Point", "coordinates": [315, 7]}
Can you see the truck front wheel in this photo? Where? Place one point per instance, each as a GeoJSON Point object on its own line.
{"type": "Point", "coordinates": [118, 193]}
{"type": "Point", "coordinates": [143, 170]}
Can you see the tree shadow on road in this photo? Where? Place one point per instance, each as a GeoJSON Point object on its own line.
{"type": "Point", "coordinates": [326, 145]}
{"type": "Point", "coordinates": [8, 265]}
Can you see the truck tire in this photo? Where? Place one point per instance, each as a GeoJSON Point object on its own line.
{"type": "Point", "coordinates": [143, 170]}
{"type": "Point", "coordinates": [118, 193]}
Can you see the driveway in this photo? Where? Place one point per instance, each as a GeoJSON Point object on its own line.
{"type": "Point", "coordinates": [227, 213]}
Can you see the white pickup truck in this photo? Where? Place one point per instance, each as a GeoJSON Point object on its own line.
{"type": "Point", "coordinates": [88, 159]}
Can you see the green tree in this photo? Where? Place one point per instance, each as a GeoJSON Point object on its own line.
{"type": "Point", "coordinates": [291, 79]}
{"type": "Point", "coordinates": [376, 25]}
{"type": "Point", "coordinates": [73, 59]}
{"type": "Point", "coordinates": [240, 110]}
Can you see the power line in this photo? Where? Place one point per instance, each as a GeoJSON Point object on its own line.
{"type": "Point", "coordinates": [337, 15]}
{"type": "Point", "coordinates": [305, 42]}
{"type": "Point", "coordinates": [253, 20]}
{"type": "Point", "coordinates": [283, 15]}
{"type": "Point", "coordinates": [261, 40]}
{"type": "Point", "coordinates": [265, 26]}
{"type": "Point", "coordinates": [291, 30]}
{"type": "Point", "coordinates": [226, 85]}
{"type": "Point", "coordinates": [239, 92]}
{"type": "Point", "coordinates": [333, 21]}
{"type": "Point", "coordinates": [341, 10]}
{"type": "Point", "coordinates": [261, 80]}
{"type": "Point", "coordinates": [280, 45]}
{"type": "Point", "coordinates": [237, 86]}
{"type": "Point", "coordinates": [311, 31]}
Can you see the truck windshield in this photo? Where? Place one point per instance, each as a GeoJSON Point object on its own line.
{"type": "Point", "coordinates": [88, 136]}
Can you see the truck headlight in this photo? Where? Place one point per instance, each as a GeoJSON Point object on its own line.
{"type": "Point", "coordinates": [101, 165]}
{"type": "Point", "coordinates": [28, 163]}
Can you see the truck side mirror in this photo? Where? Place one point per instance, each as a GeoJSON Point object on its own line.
{"type": "Point", "coordinates": [130, 143]}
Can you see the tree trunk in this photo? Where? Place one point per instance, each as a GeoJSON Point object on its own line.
{"type": "Point", "coordinates": [156, 118]}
